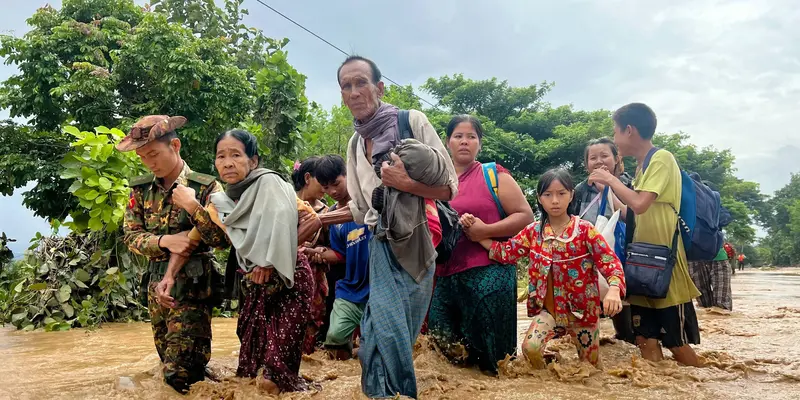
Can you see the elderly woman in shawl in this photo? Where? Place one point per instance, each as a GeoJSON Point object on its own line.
{"type": "Point", "coordinates": [265, 221]}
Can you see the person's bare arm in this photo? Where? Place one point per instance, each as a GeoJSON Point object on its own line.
{"type": "Point", "coordinates": [639, 202]}
{"type": "Point", "coordinates": [337, 216]}
{"type": "Point", "coordinates": [324, 255]}
{"type": "Point", "coordinates": [619, 205]}
{"type": "Point", "coordinates": [308, 226]}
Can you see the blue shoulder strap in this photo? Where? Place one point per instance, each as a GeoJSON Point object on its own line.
{"type": "Point", "coordinates": [603, 202]}
{"type": "Point", "coordinates": [403, 125]}
{"type": "Point", "coordinates": [492, 182]}
{"type": "Point", "coordinates": [648, 157]}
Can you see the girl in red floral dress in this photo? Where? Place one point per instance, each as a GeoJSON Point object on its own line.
{"type": "Point", "coordinates": [565, 253]}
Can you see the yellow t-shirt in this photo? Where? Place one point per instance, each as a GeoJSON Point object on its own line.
{"type": "Point", "coordinates": [657, 226]}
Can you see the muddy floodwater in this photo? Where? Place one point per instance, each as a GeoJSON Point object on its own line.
{"type": "Point", "coordinates": [751, 353]}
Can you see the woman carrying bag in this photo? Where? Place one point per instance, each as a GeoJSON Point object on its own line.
{"type": "Point", "coordinates": [598, 204]}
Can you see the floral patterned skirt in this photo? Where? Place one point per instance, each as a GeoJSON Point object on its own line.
{"type": "Point", "coordinates": [271, 328]}
{"type": "Point", "coordinates": [318, 308]}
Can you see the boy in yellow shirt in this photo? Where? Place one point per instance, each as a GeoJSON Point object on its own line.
{"type": "Point", "coordinates": [656, 196]}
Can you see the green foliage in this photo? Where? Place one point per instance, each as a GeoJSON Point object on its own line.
{"type": "Point", "coordinates": [491, 98]}
{"type": "Point", "coordinates": [281, 112]}
{"type": "Point", "coordinates": [403, 97]}
{"type": "Point", "coordinates": [165, 69]}
{"type": "Point", "coordinates": [109, 62]}
{"type": "Point", "coordinates": [327, 132]}
{"type": "Point", "coordinates": [100, 178]}
{"type": "Point", "coordinates": [6, 255]}
{"type": "Point", "coordinates": [249, 46]}
{"type": "Point", "coordinates": [70, 282]}
{"type": "Point", "coordinates": [782, 220]}
{"type": "Point", "coordinates": [27, 156]}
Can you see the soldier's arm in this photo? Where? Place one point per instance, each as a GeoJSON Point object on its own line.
{"type": "Point", "coordinates": [135, 237]}
{"type": "Point", "coordinates": [210, 233]}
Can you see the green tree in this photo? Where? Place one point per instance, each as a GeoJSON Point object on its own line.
{"type": "Point", "coordinates": [281, 112]}
{"type": "Point", "coordinates": [522, 131]}
{"type": "Point", "coordinates": [108, 62]}
{"type": "Point", "coordinates": [248, 45]}
{"type": "Point", "coordinates": [403, 97]}
{"type": "Point", "coordinates": [527, 135]}
{"type": "Point", "coordinates": [27, 155]}
{"type": "Point", "coordinates": [782, 220]}
{"type": "Point", "coordinates": [492, 98]}
{"type": "Point", "coordinates": [327, 132]}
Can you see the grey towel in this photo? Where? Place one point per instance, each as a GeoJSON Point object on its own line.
{"type": "Point", "coordinates": [262, 226]}
{"type": "Point", "coordinates": [403, 221]}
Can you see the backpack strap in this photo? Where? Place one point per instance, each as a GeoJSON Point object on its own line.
{"type": "Point", "coordinates": [630, 226]}
{"type": "Point", "coordinates": [603, 202]}
{"type": "Point", "coordinates": [492, 182]}
{"type": "Point", "coordinates": [648, 157]}
{"type": "Point", "coordinates": [404, 125]}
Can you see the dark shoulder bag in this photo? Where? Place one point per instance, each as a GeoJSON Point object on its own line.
{"type": "Point", "coordinates": [648, 267]}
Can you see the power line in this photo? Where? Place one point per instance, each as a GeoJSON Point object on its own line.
{"type": "Point", "coordinates": [524, 156]}
{"type": "Point", "coordinates": [333, 45]}
{"type": "Point", "coordinates": [302, 27]}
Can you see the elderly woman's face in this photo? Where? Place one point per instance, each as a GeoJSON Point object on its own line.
{"type": "Point", "coordinates": [232, 162]}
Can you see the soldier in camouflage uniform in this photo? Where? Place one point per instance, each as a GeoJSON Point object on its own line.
{"type": "Point", "coordinates": [156, 225]}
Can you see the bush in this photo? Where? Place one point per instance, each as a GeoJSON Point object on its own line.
{"type": "Point", "coordinates": [100, 178]}
{"type": "Point", "coordinates": [69, 282]}
{"type": "Point", "coordinates": [89, 276]}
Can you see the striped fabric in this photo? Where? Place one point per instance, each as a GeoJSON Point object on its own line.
{"type": "Point", "coordinates": [392, 320]}
{"type": "Point", "coordinates": [713, 279]}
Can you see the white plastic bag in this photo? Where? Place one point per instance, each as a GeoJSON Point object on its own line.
{"type": "Point", "coordinates": [606, 227]}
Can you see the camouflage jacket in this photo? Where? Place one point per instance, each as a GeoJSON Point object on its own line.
{"type": "Point", "coordinates": [151, 213]}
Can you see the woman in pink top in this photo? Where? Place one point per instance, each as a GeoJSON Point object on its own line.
{"type": "Point", "coordinates": [474, 301]}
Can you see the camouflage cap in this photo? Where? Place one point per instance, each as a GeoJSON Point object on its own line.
{"type": "Point", "coordinates": [149, 128]}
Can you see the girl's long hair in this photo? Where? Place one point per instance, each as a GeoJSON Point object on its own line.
{"type": "Point", "coordinates": [556, 174]}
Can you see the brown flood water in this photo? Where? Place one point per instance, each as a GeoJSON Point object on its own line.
{"type": "Point", "coordinates": [751, 353]}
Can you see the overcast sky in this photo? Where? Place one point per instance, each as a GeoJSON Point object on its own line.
{"type": "Point", "coordinates": [725, 72]}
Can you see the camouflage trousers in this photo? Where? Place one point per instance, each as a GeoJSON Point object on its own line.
{"type": "Point", "coordinates": [183, 340]}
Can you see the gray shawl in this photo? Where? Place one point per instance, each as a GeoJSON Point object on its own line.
{"type": "Point", "coordinates": [403, 219]}
{"type": "Point", "coordinates": [381, 128]}
{"type": "Point", "coordinates": [262, 226]}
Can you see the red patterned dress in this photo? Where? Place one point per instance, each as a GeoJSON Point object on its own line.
{"type": "Point", "coordinates": [563, 293]}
